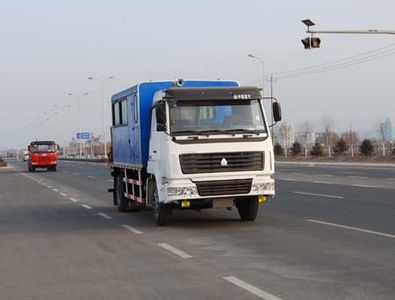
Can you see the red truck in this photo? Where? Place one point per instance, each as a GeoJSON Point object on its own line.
{"type": "Point", "coordinates": [42, 154]}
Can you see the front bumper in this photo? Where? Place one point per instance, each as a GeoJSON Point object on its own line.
{"type": "Point", "coordinates": [43, 163]}
{"type": "Point", "coordinates": [175, 190]}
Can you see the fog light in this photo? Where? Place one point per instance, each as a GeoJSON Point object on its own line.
{"type": "Point", "coordinates": [185, 204]}
{"type": "Point", "coordinates": [262, 199]}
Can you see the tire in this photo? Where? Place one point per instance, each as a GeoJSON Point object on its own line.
{"type": "Point", "coordinates": [29, 168]}
{"type": "Point", "coordinates": [248, 208]}
{"type": "Point", "coordinates": [52, 168]}
{"type": "Point", "coordinates": [162, 211]}
{"type": "Point", "coordinates": [33, 169]}
{"type": "Point", "coordinates": [122, 201]}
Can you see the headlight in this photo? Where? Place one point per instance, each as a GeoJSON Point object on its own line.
{"type": "Point", "coordinates": [262, 187]}
{"type": "Point", "coordinates": [181, 191]}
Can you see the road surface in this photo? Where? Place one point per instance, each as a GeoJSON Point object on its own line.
{"type": "Point", "coordinates": [328, 234]}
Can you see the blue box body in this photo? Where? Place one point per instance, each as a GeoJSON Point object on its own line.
{"type": "Point", "coordinates": [130, 143]}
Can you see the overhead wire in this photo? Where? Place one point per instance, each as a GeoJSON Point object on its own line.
{"type": "Point", "coordinates": [339, 64]}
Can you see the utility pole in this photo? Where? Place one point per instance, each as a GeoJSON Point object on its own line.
{"type": "Point", "coordinates": [351, 141]}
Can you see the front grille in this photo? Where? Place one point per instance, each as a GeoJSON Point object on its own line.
{"type": "Point", "coordinates": [224, 187]}
{"type": "Point", "coordinates": [44, 158]}
{"type": "Point", "coordinates": [211, 162]}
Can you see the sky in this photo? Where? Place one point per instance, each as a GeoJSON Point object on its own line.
{"type": "Point", "coordinates": [48, 49]}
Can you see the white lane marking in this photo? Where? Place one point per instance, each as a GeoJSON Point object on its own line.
{"type": "Point", "coordinates": [75, 173]}
{"type": "Point", "coordinates": [49, 186]}
{"type": "Point", "coordinates": [358, 177]}
{"type": "Point", "coordinates": [55, 190]}
{"type": "Point", "coordinates": [390, 178]}
{"type": "Point", "coordinates": [90, 176]}
{"type": "Point", "coordinates": [174, 250]}
{"type": "Point", "coordinates": [63, 194]}
{"type": "Point", "coordinates": [289, 179]}
{"type": "Point", "coordinates": [323, 182]}
{"type": "Point", "coordinates": [250, 288]}
{"type": "Point", "coordinates": [297, 173]}
{"type": "Point", "coordinates": [131, 229]}
{"type": "Point", "coordinates": [319, 195]}
{"type": "Point", "coordinates": [364, 185]}
{"type": "Point", "coordinates": [86, 206]}
{"type": "Point", "coordinates": [352, 228]}
{"type": "Point", "coordinates": [72, 199]}
{"type": "Point", "coordinates": [105, 216]}
{"type": "Point", "coordinates": [327, 175]}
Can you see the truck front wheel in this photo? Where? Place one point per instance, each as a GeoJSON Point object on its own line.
{"type": "Point", "coordinates": [122, 201]}
{"type": "Point", "coordinates": [248, 208]}
{"type": "Point", "coordinates": [161, 211]}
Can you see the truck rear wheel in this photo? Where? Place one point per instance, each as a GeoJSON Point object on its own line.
{"type": "Point", "coordinates": [122, 201]}
{"type": "Point", "coordinates": [162, 211]}
{"type": "Point", "coordinates": [248, 208]}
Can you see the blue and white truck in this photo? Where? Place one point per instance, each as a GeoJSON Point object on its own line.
{"type": "Point", "coordinates": [191, 145]}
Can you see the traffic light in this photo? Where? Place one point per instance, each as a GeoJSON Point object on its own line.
{"type": "Point", "coordinates": [311, 42]}
{"type": "Point", "coordinates": [306, 43]}
{"type": "Point", "coordinates": [315, 42]}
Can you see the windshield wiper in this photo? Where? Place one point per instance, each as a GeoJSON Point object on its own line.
{"type": "Point", "coordinates": [208, 131]}
{"type": "Point", "coordinates": [189, 132]}
{"type": "Point", "coordinates": [243, 130]}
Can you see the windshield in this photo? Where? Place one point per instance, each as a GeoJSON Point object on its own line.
{"type": "Point", "coordinates": [42, 148]}
{"type": "Point", "coordinates": [217, 117]}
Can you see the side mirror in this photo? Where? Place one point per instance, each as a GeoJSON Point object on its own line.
{"type": "Point", "coordinates": [28, 148]}
{"type": "Point", "coordinates": [57, 147]}
{"type": "Point", "coordinates": [277, 115]}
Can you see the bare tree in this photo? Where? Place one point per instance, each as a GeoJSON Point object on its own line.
{"type": "Point", "coordinates": [352, 138]}
{"type": "Point", "coordinates": [306, 132]}
{"type": "Point", "coordinates": [327, 124]}
{"type": "Point", "coordinates": [285, 133]}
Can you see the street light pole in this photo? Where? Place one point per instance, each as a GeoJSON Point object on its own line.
{"type": "Point", "coordinates": [263, 70]}
{"type": "Point", "coordinates": [101, 83]}
{"type": "Point", "coordinates": [263, 87]}
{"type": "Point", "coordinates": [79, 97]}
{"type": "Point", "coordinates": [61, 107]}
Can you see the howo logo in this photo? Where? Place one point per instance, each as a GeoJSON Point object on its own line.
{"type": "Point", "coordinates": [224, 162]}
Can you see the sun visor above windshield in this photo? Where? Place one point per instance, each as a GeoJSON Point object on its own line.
{"type": "Point", "coordinates": [228, 93]}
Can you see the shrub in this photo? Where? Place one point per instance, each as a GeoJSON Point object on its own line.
{"type": "Point", "coordinates": [317, 150]}
{"type": "Point", "coordinates": [296, 148]}
{"type": "Point", "coordinates": [366, 148]}
{"type": "Point", "coordinates": [341, 146]}
{"type": "Point", "coordinates": [278, 150]}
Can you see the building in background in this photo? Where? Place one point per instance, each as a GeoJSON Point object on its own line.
{"type": "Point", "coordinates": [388, 128]}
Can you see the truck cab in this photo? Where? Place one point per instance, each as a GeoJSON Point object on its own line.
{"type": "Point", "coordinates": [208, 146]}
{"type": "Point", "coordinates": [42, 154]}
